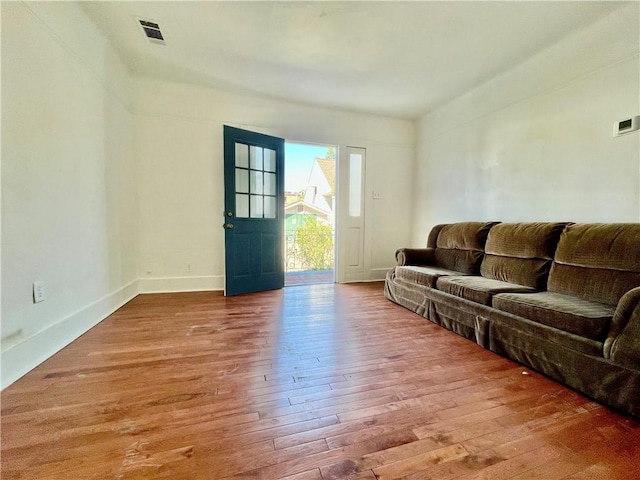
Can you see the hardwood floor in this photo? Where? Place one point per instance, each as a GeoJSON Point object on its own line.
{"type": "Point", "coordinates": [306, 383]}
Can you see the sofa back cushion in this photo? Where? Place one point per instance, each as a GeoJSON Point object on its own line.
{"type": "Point", "coordinates": [597, 262]}
{"type": "Point", "coordinates": [521, 253]}
{"type": "Point", "coordinates": [460, 246]}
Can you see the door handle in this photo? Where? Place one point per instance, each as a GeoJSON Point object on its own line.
{"type": "Point", "coordinates": [228, 226]}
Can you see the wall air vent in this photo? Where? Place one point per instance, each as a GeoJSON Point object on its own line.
{"type": "Point", "coordinates": [151, 31]}
{"type": "Point", "coordinates": [627, 125]}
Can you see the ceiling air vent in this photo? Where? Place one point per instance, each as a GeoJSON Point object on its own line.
{"type": "Point", "coordinates": [152, 31]}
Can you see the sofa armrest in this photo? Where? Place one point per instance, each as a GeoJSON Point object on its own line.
{"type": "Point", "coordinates": [415, 256]}
{"type": "Point", "coordinates": [622, 345]}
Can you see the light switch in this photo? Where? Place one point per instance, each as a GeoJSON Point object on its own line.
{"type": "Point", "coordinates": [38, 292]}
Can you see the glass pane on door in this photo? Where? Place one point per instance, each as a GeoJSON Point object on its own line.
{"type": "Point", "coordinates": [256, 182]}
{"type": "Point", "coordinates": [255, 154]}
{"type": "Point", "coordinates": [256, 206]}
{"type": "Point", "coordinates": [269, 183]}
{"type": "Point", "coordinates": [242, 206]}
{"type": "Point", "coordinates": [355, 185]}
{"type": "Point", "coordinates": [242, 155]}
{"type": "Point", "coordinates": [242, 180]}
{"type": "Point", "coordinates": [269, 207]}
{"type": "Point", "coordinates": [269, 160]}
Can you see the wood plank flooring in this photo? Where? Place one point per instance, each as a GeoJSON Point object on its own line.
{"type": "Point", "coordinates": [307, 383]}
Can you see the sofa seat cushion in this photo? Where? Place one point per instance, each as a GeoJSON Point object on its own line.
{"type": "Point", "coordinates": [423, 275]}
{"type": "Point", "coordinates": [478, 289]}
{"type": "Point", "coordinates": [564, 312]}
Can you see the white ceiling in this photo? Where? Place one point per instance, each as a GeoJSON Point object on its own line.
{"type": "Point", "coordinates": [392, 58]}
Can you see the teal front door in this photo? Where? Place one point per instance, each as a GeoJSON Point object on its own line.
{"type": "Point", "coordinates": [254, 211]}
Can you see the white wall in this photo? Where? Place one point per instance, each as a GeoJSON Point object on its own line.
{"type": "Point", "coordinates": [536, 143]}
{"type": "Point", "coordinates": [180, 176]}
{"type": "Point", "coordinates": [68, 181]}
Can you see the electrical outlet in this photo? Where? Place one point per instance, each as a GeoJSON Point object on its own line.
{"type": "Point", "coordinates": [38, 292]}
{"type": "Point", "coordinates": [376, 195]}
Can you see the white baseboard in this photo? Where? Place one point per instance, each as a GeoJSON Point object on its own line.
{"type": "Point", "coordinates": [371, 275]}
{"type": "Point", "coordinates": [28, 353]}
{"type": "Point", "coordinates": [352, 277]}
{"type": "Point", "coordinates": [377, 274]}
{"type": "Point", "coordinates": [180, 284]}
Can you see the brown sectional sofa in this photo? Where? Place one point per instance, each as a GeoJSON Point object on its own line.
{"type": "Point", "coordinates": [562, 298]}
